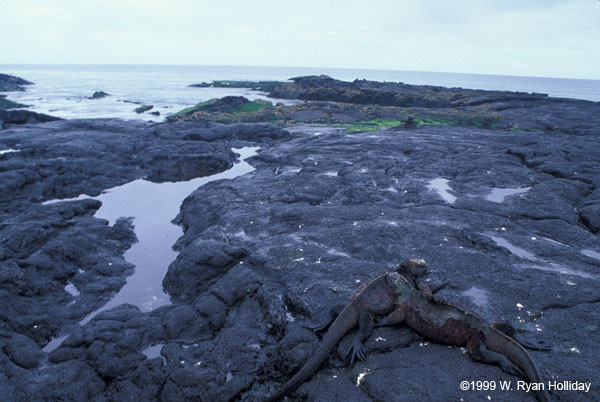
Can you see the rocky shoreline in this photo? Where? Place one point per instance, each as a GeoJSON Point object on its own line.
{"type": "Point", "coordinates": [262, 255]}
{"type": "Point", "coordinates": [364, 105]}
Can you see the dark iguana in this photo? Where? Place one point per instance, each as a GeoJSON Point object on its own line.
{"type": "Point", "coordinates": [403, 296]}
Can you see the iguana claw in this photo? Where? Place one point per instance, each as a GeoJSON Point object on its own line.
{"type": "Point", "coordinates": [511, 368]}
{"type": "Point", "coordinates": [357, 350]}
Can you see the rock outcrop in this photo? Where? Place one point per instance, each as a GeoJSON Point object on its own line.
{"type": "Point", "coordinates": [99, 95]}
{"type": "Point", "coordinates": [12, 83]}
{"type": "Point", "coordinates": [24, 116]}
{"type": "Point", "coordinates": [365, 105]}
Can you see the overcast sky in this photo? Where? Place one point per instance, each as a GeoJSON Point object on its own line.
{"type": "Point", "coordinates": [553, 38]}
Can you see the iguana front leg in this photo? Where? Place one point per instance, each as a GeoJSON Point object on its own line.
{"type": "Point", "coordinates": [430, 287]}
{"type": "Point", "coordinates": [511, 331]}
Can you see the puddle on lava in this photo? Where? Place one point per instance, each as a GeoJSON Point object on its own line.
{"type": "Point", "coordinates": [561, 269]}
{"type": "Point", "coordinates": [541, 265]}
{"type": "Point", "coordinates": [591, 253]}
{"type": "Point", "coordinates": [518, 251]}
{"type": "Point", "coordinates": [54, 343]}
{"type": "Point", "coordinates": [441, 186]}
{"type": "Point", "coordinates": [72, 289]}
{"type": "Point", "coordinates": [555, 242]}
{"type": "Point", "coordinates": [153, 352]}
{"type": "Point", "coordinates": [153, 206]}
{"type": "Point", "coordinates": [333, 251]}
{"type": "Point", "coordinates": [499, 194]}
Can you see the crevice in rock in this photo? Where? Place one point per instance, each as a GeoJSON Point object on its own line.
{"type": "Point", "coordinates": [518, 155]}
{"type": "Point", "coordinates": [584, 223]}
{"type": "Point", "coordinates": [561, 306]}
{"type": "Point", "coordinates": [544, 218]}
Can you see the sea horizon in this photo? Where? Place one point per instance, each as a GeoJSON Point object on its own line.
{"type": "Point", "coordinates": [295, 67]}
{"type": "Point", "coordinates": [64, 90]}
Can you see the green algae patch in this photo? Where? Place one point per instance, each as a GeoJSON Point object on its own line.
{"type": "Point", "coordinates": [230, 109]}
{"type": "Point", "coordinates": [252, 107]}
{"type": "Point", "coordinates": [484, 122]}
{"type": "Point", "coordinates": [369, 125]}
{"type": "Point", "coordinates": [358, 128]}
{"type": "Point", "coordinates": [454, 117]}
{"type": "Point", "coordinates": [196, 108]}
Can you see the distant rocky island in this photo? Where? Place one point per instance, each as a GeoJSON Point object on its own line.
{"type": "Point", "coordinates": [364, 105]}
{"type": "Point", "coordinates": [499, 192]}
{"type": "Point", "coordinates": [9, 83]}
{"type": "Point", "coordinates": [9, 110]}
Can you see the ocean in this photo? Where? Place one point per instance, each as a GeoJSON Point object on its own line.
{"type": "Point", "coordinates": [64, 90]}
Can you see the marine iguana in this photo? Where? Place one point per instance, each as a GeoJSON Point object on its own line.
{"type": "Point", "coordinates": [403, 296]}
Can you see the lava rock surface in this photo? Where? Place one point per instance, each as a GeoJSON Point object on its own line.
{"type": "Point", "coordinates": [269, 252]}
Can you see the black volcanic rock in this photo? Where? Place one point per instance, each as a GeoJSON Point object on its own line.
{"type": "Point", "coordinates": [99, 95]}
{"type": "Point", "coordinates": [226, 104]}
{"type": "Point", "coordinates": [409, 123]}
{"type": "Point", "coordinates": [12, 83]}
{"type": "Point", "coordinates": [324, 88]}
{"type": "Point", "coordinates": [323, 212]}
{"type": "Point", "coordinates": [271, 251]}
{"type": "Point", "coordinates": [266, 86]}
{"type": "Point", "coordinates": [25, 116]}
{"type": "Point", "coordinates": [369, 104]}
{"type": "Point", "coordinates": [143, 108]}
{"type": "Point", "coordinates": [516, 111]}
{"type": "Point", "coordinates": [589, 211]}
{"type": "Point", "coordinates": [8, 104]}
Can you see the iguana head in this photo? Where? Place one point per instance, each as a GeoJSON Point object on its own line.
{"type": "Point", "coordinates": [412, 269]}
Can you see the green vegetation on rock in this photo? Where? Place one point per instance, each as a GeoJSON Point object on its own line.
{"type": "Point", "coordinates": [198, 107]}
{"type": "Point", "coordinates": [230, 109]}
{"type": "Point", "coordinates": [378, 124]}
{"type": "Point", "coordinates": [370, 125]}
{"type": "Point", "coordinates": [251, 107]}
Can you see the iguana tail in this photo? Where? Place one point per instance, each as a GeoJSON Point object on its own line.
{"type": "Point", "coordinates": [500, 343]}
{"type": "Point", "coordinates": [347, 320]}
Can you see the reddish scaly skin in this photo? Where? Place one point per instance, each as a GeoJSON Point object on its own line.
{"type": "Point", "coordinates": [445, 322]}
{"type": "Point", "coordinates": [374, 296]}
